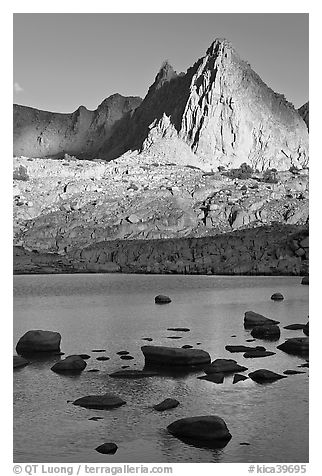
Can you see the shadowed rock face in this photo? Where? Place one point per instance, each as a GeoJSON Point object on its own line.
{"type": "Point", "coordinates": [48, 134]}
{"type": "Point", "coordinates": [304, 112]}
{"type": "Point", "coordinates": [219, 112]}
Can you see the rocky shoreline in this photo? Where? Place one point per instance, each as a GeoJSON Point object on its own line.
{"type": "Point", "coordinates": [279, 250]}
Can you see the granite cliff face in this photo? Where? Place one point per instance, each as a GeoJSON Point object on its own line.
{"type": "Point", "coordinates": [219, 113]}
{"type": "Point", "coordinates": [48, 134]}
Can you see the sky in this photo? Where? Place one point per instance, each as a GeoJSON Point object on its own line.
{"type": "Point", "coordinates": [62, 61]}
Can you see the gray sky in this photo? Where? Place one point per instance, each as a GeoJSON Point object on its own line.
{"type": "Point", "coordinates": [64, 60]}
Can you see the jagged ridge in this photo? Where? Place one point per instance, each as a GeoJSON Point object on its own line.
{"type": "Point", "coordinates": [46, 134]}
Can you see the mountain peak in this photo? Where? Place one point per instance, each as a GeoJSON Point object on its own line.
{"type": "Point", "coordinates": [218, 46]}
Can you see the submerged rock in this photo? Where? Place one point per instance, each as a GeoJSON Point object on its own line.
{"type": "Point", "coordinates": [126, 357]}
{"type": "Point", "coordinates": [269, 332]}
{"type": "Point", "coordinates": [103, 357]}
{"type": "Point", "coordinates": [72, 363]}
{"type": "Point", "coordinates": [243, 348]}
{"type": "Point", "coordinates": [292, 372]}
{"type": "Point", "coordinates": [239, 378]}
{"type": "Point", "coordinates": [224, 366]}
{"type": "Point", "coordinates": [107, 448]}
{"type": "Point", "coordinates": [132, 374]}
{"type": "Point", "coordinates": [166, 404]}
{"type": "Point", "coordinates": [306, 329]}
{"type": "Point", "coordinates": [277, 297]}
{"type": "Point", "coordinates": [100, 402]}
{"type": "Point", "coordinates": [253, 354]}
{"type": "Point", "coordinates": [202, 428]}
{"type": "Point", "coordinates": [264, 375]}
{"type": "Point", "coordinates": [38, 341]}
{"type": "Point", "coordinates": [216, 377]}
{"type": "Point", "coordinates": [295, 327]}
{"type": "Point", "coordinates": [161, 299]}
{"type": "Point", "coordinates": [84, 356]}
{"type": "Point", "coordinates": [19, 361]}
{"type": "Point", "coordinates": [178, 329]}
{"type": "Point", "coordinates": [161, 355]}
{"type": "Point", "coordinates": [295, 345]}
{"type": "Point", "coordinates": [252, 319]}
{"type": "Point", "coordinates": [187, 346]}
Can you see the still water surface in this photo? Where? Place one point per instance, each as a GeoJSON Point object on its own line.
{"type": "Point", "coordinates": [114, 312]}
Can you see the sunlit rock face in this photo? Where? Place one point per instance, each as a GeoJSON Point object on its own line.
{"type": "Point", "coordinates": [48, 134]}
{"type": "Point", "coordinates": [219, 113]}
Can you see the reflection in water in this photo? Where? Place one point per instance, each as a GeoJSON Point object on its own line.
{"type": "Point", "coordinates": [114, 312]}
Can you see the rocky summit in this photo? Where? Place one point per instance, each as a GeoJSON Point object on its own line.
{"type": "Point", "coordinates": [208, 174]}
{"type": "Point", "coordinates": [218, 113]}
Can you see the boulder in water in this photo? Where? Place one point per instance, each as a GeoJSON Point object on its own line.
{"type": "Point", "coordinates": [19, 361]}
{"type": "Point", "coordinates": [277, 297]}
{"type": "Point", "coordinates": [270, 332]}
{"type": "Point", "coordinates": [239, 378]}
{"type": "Point", "coordinates": [224, 366]}
{"type": "Point", "coordinates": [107, 448]}
{"type": "Point", "coordinates": [38, 341]}
{"type": "Point", "coordinates": [305, 280]}
{"type": "Point", "coordinates": [161, 355]}
{"type": "Point", "coordinates": [295, 345]}
{"type": "Point", "coordinates": [252, 319]}
{"type": "Point", "coordinates": [264, 375]}
{"type": "Point", "coordinates": [100, 402]}
{"type": "Point", "coordinates": [166, 404]}
{"type": "Point", "coordinates": [161, 299]}
{"type": "Point", "coordinates": [72, 363]}
{"type": "Point", "coordinates": [200, 428]}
